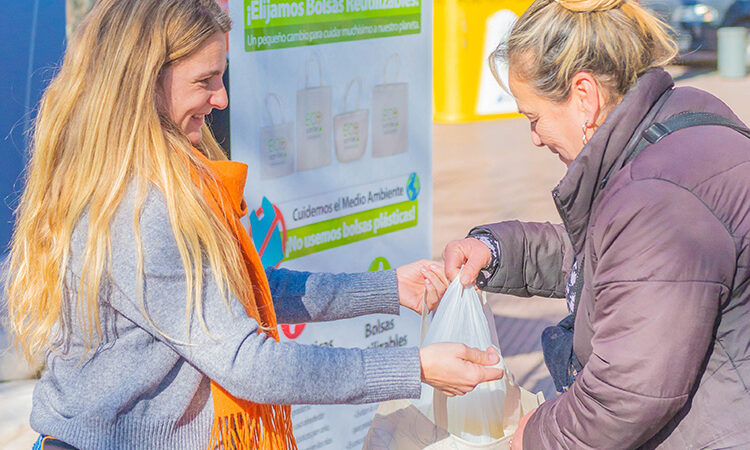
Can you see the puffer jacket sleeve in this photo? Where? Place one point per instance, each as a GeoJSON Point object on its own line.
{"type": "Point", "coordinates": [535, 258]}
{"type": "Point", "coordinates": [664, 267]}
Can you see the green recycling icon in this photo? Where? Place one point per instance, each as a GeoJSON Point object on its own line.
{"type": "Point", "coordinates": [378, 264]}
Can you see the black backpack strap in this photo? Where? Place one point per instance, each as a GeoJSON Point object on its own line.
{"type": "Point", "coordinates": [659, 130]}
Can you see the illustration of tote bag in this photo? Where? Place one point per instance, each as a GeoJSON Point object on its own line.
{"type": "Point", "coordinates": [389, 114]}
{"type": "Point", "coordinates": [276, 144]}
{"type": "Point", "coordinates": [350, 128]}
{"type": "Point", "coordinates": [313, 123]}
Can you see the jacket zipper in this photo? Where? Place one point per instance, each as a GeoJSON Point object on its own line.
{"type": "Point", "coordinates": [560, 210]}
{"type": "Point", "coordinates": [563, 216]}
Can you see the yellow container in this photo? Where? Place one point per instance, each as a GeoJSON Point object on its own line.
{"type": "Point", "coordinates": [465, 31]}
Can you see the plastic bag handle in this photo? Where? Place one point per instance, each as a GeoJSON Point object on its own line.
{"type": "Point", "coordinates": [425, 323]}
{"type": "Point", "coordinates": [440, 409]}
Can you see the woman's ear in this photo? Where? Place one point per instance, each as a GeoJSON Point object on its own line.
{"type": "Point", "coordinates": [587, 96]}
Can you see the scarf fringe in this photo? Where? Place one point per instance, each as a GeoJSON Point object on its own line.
{"type": "Point", "coordinates": [262, 427]}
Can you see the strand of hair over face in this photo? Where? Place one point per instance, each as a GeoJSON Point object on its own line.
{"type": "Point", "coordinates": [615, 40]}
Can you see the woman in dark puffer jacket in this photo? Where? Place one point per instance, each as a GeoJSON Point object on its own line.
{"type": "Point", "coordinates": [653, 255]}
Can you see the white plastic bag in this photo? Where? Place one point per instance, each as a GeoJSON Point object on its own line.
{"type": "Point", "coordinates": [423, 424]}
{"type": "Point", "coordinates": [470, 422]}
{"type": "Point", "coordinates": [476, 417]}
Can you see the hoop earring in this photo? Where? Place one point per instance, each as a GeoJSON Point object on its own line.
{"type": "Point", "coordinates": [583, 129]}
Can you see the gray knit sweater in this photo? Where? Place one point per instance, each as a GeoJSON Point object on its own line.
{"type": "Point", "coordinates": [141, 390]}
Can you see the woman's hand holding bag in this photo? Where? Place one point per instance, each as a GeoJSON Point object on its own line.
{"type": "Point", "coordinates": [456, 369]}
{"type": "Point", "coordinates": [421, 280]}
{"type": "Point", "coordinates": [471, 254]}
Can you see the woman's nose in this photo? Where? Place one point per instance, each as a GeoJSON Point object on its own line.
{"type": "Point", "coordinates": [536, 139]}
{"type": "Point", "coordinates": [219, 99]}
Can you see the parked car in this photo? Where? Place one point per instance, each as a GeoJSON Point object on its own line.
{"type": "Point", "coordinates": [695, 22]}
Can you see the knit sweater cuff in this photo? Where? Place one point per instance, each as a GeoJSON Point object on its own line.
{"type": "Point", "coordinates": [371, 292]}
{"type": "Point", "coordinates": [392, 373]}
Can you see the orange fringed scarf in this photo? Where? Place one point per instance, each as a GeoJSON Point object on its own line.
{"type": "Point", "coordinates": [240, 424]}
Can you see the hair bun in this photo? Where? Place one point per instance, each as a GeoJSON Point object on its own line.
{"type": "Point", "coordinates": [589, 5]}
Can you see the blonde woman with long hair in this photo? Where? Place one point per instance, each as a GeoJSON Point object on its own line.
{"type": "Point", "coordinates": [653, 252]}
{"type": "Point", "coordinates": [131, 271]}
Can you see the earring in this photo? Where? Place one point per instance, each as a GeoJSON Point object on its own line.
{"type": "Point", "coordinates": [583, 128]}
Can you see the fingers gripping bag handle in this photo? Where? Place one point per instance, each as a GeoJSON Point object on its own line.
{"type": "Point", "coordinates": [476, 417]}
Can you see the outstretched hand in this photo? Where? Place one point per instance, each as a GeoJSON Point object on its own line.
{"type": "Point", "coordinates": [416, 278]}
{"type": "Point", "coordinates": [455, 369]}
{"type": "Point", "coordinates": [471, 253]}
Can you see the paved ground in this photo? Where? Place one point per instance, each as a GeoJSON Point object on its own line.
{"type": "Point", "coordinates": [483, 172]}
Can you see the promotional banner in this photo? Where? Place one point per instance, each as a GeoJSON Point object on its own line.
{"type": "Point", "coordinates": [331, 110]}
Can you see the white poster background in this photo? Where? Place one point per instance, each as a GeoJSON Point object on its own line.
{"type": "Point", "coordinates": [256, 74]}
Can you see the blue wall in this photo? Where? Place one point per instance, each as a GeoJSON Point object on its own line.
{"type": "Point", "coordinates": [32, 40]}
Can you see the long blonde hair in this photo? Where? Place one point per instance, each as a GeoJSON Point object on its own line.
{"type": "Point", "coordinates": [99, 130]}
{"type": "Point", "coordinates": [615, 40]}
